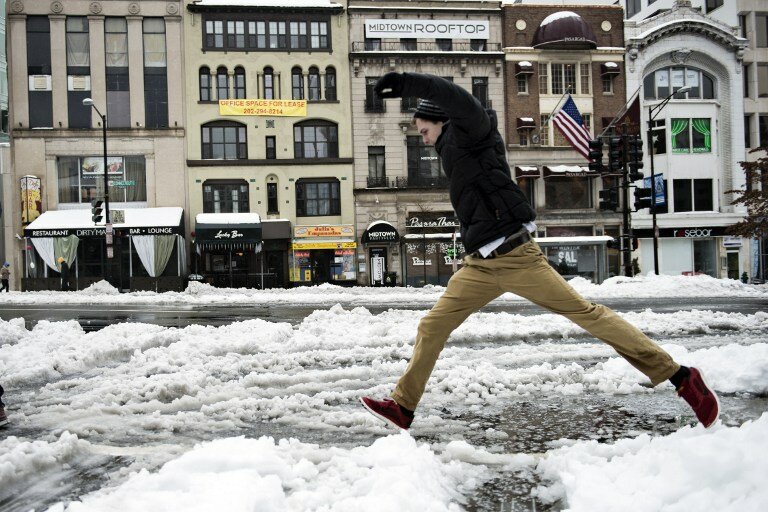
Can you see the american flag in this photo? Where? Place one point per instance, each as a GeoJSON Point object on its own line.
{"type": "Point", "coordinates": [570, 123]}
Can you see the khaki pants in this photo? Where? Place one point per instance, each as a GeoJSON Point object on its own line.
{"type": "Point", "coordinates": [526, 272]}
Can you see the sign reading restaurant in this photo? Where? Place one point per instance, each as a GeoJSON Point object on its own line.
{"type": "Point", "coordinates": [441, 29]}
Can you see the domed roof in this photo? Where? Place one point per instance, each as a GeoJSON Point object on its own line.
{"type": "Point", "coordinates": [564, 30]}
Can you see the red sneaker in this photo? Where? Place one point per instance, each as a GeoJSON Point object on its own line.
{"type": "Point", "coordinates": [387, 410]}
{"type": "Point", "coordinates": [700, 397]}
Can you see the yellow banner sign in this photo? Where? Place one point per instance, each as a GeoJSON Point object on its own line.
{"type": "Point", "coordinates": [323, 245]}
{"type": "Point", "coordinates": [334, 231]}
{"type": "Point", "coordinates": [286, 108]}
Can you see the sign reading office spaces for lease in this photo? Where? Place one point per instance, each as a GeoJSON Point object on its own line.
{"type": "Point", "coordinates": [439, 29]}
{"type": "Point", "coordinates": [256, 107]}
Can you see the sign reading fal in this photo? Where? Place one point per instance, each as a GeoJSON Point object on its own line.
{"type": "Point", "coordinates": [441, 29]}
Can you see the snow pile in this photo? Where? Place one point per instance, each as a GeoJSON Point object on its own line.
{"type": "Point", "coordinates": [693, 469]}
{"type": "Point", "coordinates": [394, 473]}
{"type": "Point", "coordinates": [21, 459]}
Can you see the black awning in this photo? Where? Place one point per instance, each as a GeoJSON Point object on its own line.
{"type": "Point", "coordinates": [380, 232]}
{"type": "Point", "coordinates": [523, 68]}
{"type": "Point", "coordinates": [526, 171]}
{"type": "Point", "coordinates": [525, 123]}
{"type": "Point", "coordinates": [568, 171]}
{"type": "Point", "coordinates": [224, 233]}
{"type": "Point", "coordinates": [610, 68]}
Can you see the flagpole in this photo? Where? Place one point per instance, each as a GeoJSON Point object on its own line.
{"type": "Point", "coordinates": [567, 91]}
{"type": "Point", "coordinates": [622, 111]}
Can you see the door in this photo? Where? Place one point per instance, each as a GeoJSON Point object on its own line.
{"type": "Point", "coordinates": [733, 264]}
{"type": "Point", "coordinates": [378, 265]}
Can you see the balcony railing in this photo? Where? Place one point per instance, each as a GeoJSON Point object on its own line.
{"type": "Point", "coordinates": [408, 182]}
{"type": "Point", "coordinates": [423, 46]}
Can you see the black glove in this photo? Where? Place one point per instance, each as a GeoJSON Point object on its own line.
{"type": "Point", "coordinates": [390, 85]}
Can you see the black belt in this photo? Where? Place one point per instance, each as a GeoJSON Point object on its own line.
{"type": "Point", "coordinates": [508, 245]}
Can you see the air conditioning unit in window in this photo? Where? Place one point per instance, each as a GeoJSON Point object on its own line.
{"type": "Point", "coordinates": [40, 82]}
{"type": "Point", "coordinates": [78, 83]}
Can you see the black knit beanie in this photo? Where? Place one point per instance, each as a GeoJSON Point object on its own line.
{"type": "Point", "coordinates": [429, 111]}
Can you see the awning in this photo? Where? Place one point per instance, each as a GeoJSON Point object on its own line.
{"type": "Point", "coordinates": [138, 221]}
{"type": "Point", "coordinates": [440, 236]}
{"type": "Point", "coordinates": [525, 123]}
{"type": "Point", "coordinates": [609, 68]}
{"type": "Point", "coordinates": [228, 230]}
{"type": "Point", "coordinates": [568, 171]}
{"type": "Point", "coordinates": [339, 243]}
{"type": "Point", "coordinates": [526, 171]}
{"type": "Point", "coordinates": [523, 68]}
{"type": "Point", "coordinates": [380, 231]}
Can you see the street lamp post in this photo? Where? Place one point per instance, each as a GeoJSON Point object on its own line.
{"type": "Point", "coordinates": [88, 102]}
{"type": "Point", "coordinates": [654, 111]}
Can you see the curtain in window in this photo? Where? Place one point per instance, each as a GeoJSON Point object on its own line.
{"type": "Point", "coordinates": [702, 127]}
{"type": "Point", "coordinates": [678, 126]}
{"type": "Point", "coordinates": [154, 251]}
{"type": "Point", "coordinates": [116, 48]}
{"type": "Point", "coordinates": [134, 171]}
{"type": "Point", "coordinates": [77, 50]}
{"type": "Point", "coordinates": [65, 247]}
{"type": "Point", "coordinates": [44, 247]}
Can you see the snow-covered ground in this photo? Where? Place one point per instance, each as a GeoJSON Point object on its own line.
{"type": "Point", "coordinates": [263, 416]}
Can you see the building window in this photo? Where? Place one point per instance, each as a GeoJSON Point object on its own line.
{"type": "Point", "coordinates": [297, 84]}
{"type": "Point", "coordinates": [691, 135]}
{"type": "Point", "coordinates": [222, 83]}
{"type": "Point", "coordinates": [236, 34]}
{"type": "Point", "coordinates": [424, 167]}
{"type": "Point", "coordinates": [544, 132]}
{"type": "Point", "coordinates": [277, 36]}
{"type": "Point", "coordinates": [746, 69]}
{"type": "Point", "coordinates": [298, 34]}
{"type": "Point", "coordinates": [543, 78]}
{"type": "Point", "coordinates": [155, 74]}
{"type": "Point", "coordinates": [269, 83]}
{"type": "Point", "coordinates": [693, 195]}
{"type": "Point", "coordinates": [39, 71]}
{"type": "Point", "coordinates": [270, 146]}
{"type": "Point", "coordinates": [318, 34]}
{"type": "Point", "coordinates": [659, 131]}
{"type": "Point", "coordinates": [477, 45]}
{"type": "Point", "coordinates": [585, 77]}
{"type": "Point", "coordinates": [743, 25]}
{"type": "Point", "coordinates": [522, 84]}
{"type": "Point", "coordinates": [315, 139]}
{"type": "Point", "coordinates": [239, 83]}
{"type": "Point", "coordinates": [747, 134]}
{"type": "Point", "coordinates": [563, 78]}
{"type": "Point", "coordinates": [762, 80]}
{"type": "Point", "coordinates": [663, 82]}
{"type": "Point", "coordinates": [206, 90]}
{"type": "Point", "coordinates": [763, 127]}
{"type": "Point", "coordinates": [444, 45]}
{"type": "Point", "coordinates": [78, 72]}
{"type": "Point", "coordinates": [78, 178]}
{"type": "Point", "coordinates": [272, 203]}
{"type": "Point", "coordinates": [330, 83]}
{"type": "Point", "coordinates": [318, 197]}
{"type": "Point", "coordinates": [633, 7]}
{"type": "Point", "coordinates": [409, 103]}
{"type": "Point", "coordinates": [527, 186]}
{"type": "Point", "coordinates": [408, 44]}
{"type": "Point", "coordinates": [376, 171]}
{"type": "Point", "coordinates": [223, 196]}
{"type": "Point", "coordinates": [224, 140]}
{"type": "Point", "coordinates": [372, 44]}
{"type": "Point", "coordinates": [713, 4]}
{"type": "Point", "coordinates": [214, 34]}
{"type": "Point", "coordinates": [607, 81]}
{"type": "Point", "coordinates": [564, 193]}
{"type": "Point", "coordinates": [313, 87]}
{"type": "Point", "coordinates": [480, 90]}
{"type": "Point", "coordinates": [116, 61]}
{"type": "Point", "coordinates": [373, 103]}
{"type": "Point", "coordinates": [761, 30]}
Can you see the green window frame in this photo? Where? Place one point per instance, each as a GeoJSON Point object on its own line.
{"type": "Point", "coordinates": [691, 135]}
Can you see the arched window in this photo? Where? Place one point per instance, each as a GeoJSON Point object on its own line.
{"type": "Point", "coordinates": [224, 140]}
{"type": "Point", "coordinates": [239, 83]}
{"type": "Point", "coordinates": [330, 83]}
{"type": "Point", "coordinates": [269, 83]}
{"type": "Point", "coordinates": [222, 83]}
{"type": "Point", "coordinates": [314, 84]}
{"type": "Point", "coordinates": [666, 81]}
{"type": "Point", "coordinates": [315, 139]}
{"type": "Point", "coordinates": [205, 84]}
{"type": "Point", "coordinates": [297, 84]}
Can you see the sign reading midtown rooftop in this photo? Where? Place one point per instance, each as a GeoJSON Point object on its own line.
{"type": "Point", "coordinates": [286, 108]}
{"type": "Point", "coordinates": [439, 29]}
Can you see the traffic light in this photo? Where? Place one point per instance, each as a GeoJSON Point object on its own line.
{"type": "Point", "coordinates": [643, 198]}
{"type": "Point", "coordinates": [97, 210]}
{"type": "Point", "coordinates": [615, 154]}
{"type": "Point", "coordinates": [635, 157]}
{"type": "Point", "coordinates": [596, 155]}
{"type": "Point", "coordinates": [609, 199]}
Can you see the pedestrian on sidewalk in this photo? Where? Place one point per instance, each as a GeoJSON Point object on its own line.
{"type": "Point", "coordinates": [64, 270]}
{"type": "Point", "coordinates": [502, 256]}
{"type": "Point", "coordinates": [5, 275]}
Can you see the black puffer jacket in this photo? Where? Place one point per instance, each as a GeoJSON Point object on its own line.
{"type": "Point", "coordinates": [486, 200]}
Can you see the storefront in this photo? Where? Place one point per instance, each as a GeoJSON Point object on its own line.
{"type": "Point", "coordinates": [692, 250]}
{"type": "Point", "coordinates": [382, 242]}
{"type": "Point", "coordinates": [227, 246]}
{"type": "Point", "coordinates": [432, 248]}
{"type": "Point", "coordinates": [323, 254]}
{"type": "Point", "coordinates": [577, 256]}
{"type": "Point", "coordinates": [146, 250]}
